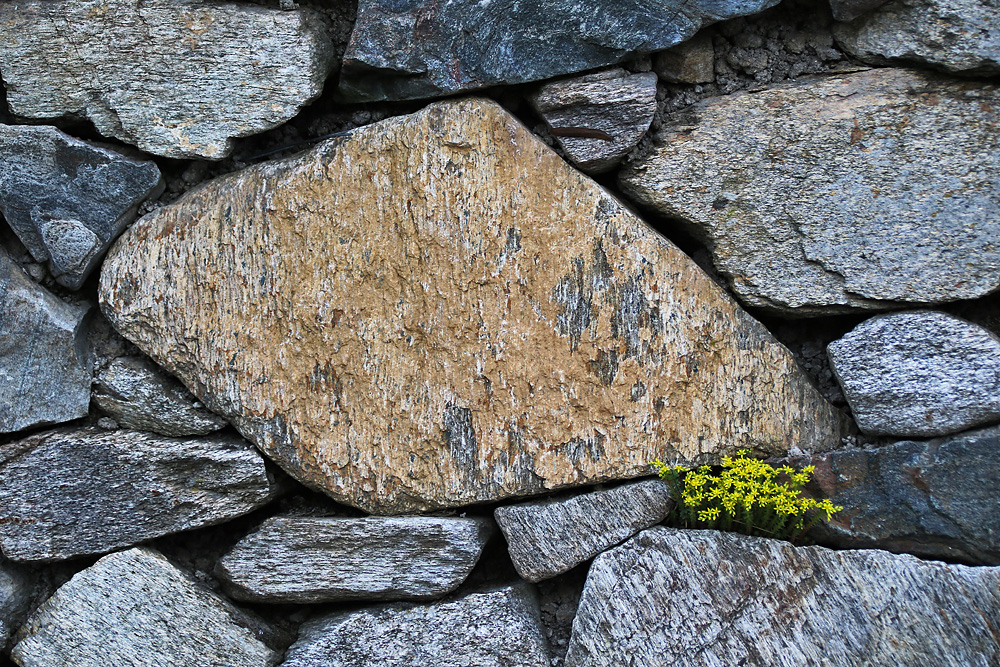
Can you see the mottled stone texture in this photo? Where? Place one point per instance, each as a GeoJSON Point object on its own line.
{"type": "Point", "coordinates": [690, 62]}
{"type": "Point", "coordinates": [490, 628]}
{"type": "Point", "coordinates": [919, 374]}
{"type": "Point", "coordinates": [848, 10]}
{"type": "Point", "coordinates": [834, 193]}
{"type": "Point", "coordinates": [17, 590]}
{"type": "Point", "coordinates": [692, 598]}
{"type": "Point", "coordinates": [437, 311]}
{"type": "Point", "coordinates": [419, 48]}
{"type": "Point", "coordinates": [71, 492]}
{"type": "Point", "coordinates": [45, 365]}
{"type": "Point", "coordinates": [67, 200]}
{"type": "Point", "coordinates": [319, 559]}
{"type": "Point", "coordinates": [552, 536]}
{"type": "Point", "coordinates": [960, 36]}
{"type": "Point", "coordinates": [135, 609]}
{"type": "Point", "coordinates": [178, 78]}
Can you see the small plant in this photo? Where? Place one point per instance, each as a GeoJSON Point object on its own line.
{"type": "Point", "coordinates": [745, 496]}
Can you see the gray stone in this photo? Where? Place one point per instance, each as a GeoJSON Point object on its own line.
{"type": "Point", "coordinates": [692, 61]}
{"type": "Point", "coordinates": [488, 628]}
{"type": "Point", "coordinates": [829, 194]}
{"type": "Point", "coordinates": [848, 10]}
{"type": "Point", "coordinates": [696, 597]}
{"type": "Point", "coordinates": [549, 537]}
{"type": "Point", "coordinates": [613, 103]}
{"type": "Point", "coordinates": [415, 49]}
{"type": "Point", "coordinates": [17, 591]}
{"type": "Point", "coordinates": [134, 608]}
{"type": "Point", "coordinates": [72, 492]}
{"type": "Point", "coordinates": [178, 78]}
{"type": "Point", "coordinates": [961, 36]}
{"type": "Point", "coordinates": [140, 396]}
{"type": "Point", "coordinates": [323, 559]}
{"type": "Point", "coordinates": [68, 200]}
{"type": "Point", "coordinates": [45, 366]}
{"type": "Point", "coordinates": [918, 374]}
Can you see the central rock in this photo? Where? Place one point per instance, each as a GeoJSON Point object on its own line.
{"type": "Point", "coordinates": [436, 310]}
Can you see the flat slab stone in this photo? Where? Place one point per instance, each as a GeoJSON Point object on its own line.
{"type": "Point", "coordinates": [919, 374]}
{"type": "Point", "coordinates": [422, 49]}
{"type": "Point", "coordinates": [72, 492]}
{"type": "Point", "coordinates": [693, 597]}
{"type": "Point", "coordinates": [134, 608]}
{"type": "Point", "coordinates": [437, 311]}
{"type": "Point", "coordinates": [325, 559]}
{"type": "Point", "coordinates": [830, 194]}
{"type": "Point", "coordinates": [549, 537]}
{"type": "Point", "coordinates": [178, 78]}
{"type": "Point", "coordinates": [492, 628]}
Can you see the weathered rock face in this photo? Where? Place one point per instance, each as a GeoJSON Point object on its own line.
{"type": "Point", "coordinates": [67, 200]}
{"type": "Point", "coordinates": [848, 10]}
{"type": "Point", "coordinates": [549, 537]}
{"type": "Point", "coordinates": [438, 311]}
{"type": "Point", "coordinates": [692, 61]}
{"type": "Point", "coordinates": [72, 492]}
{"type": "Point", "coordinates": [319, 559]}
{"type": "Point", "coordinates": [420, 49]}
{"type": "Point", "coordinates": [45, 367]}
{"type": "Point", "coordinates": [957, 35]}
{"type": "Point", "coordinates": [856, 191]}
{"type": "Point", "coordinates": [490, 628]}
{"type": "Point", "coordinates": [178, 78]}
{"type": "Point", "coordinates": [16, 593]}
{"type": "Point", "coordinates": [134, 608]}
{"type": "Point", "coordinates": [669, 597]}
{"type": "Point", "coordinates": [919, 374]}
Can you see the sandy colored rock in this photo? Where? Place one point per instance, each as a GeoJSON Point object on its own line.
{"type": "Point", "coordinates": [692, 61]}
{"type": "Point", "coordinates": [438, 311]}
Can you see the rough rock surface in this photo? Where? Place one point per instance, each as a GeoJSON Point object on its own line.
{"type": "Point", "coordinates": [134, 608]}
{"type": "Point", "coordinates": [957, 35]}
{"type": "Point", "coordinates": [436, 311]}
{"type": "Point", "coordinates": [71, 492]}
{"type": "Point", "coordinates": [549, 537]}
{"type": "Point", "coordinates": [614, 103]}
{"type": "Point", "coordinates": [848, 10]}
{"type": "Point", "coordinates": [17, 589]}
{"type": "Point", "coordinates": [425, 49]}
{"type": "Point", "coordinates": [692, 61]}
{"type": "Point", "coordinates": [919, 374]}
{"type": "Point", "coordinates": [856, 191]}
{"type": "Point", "coordinates": [45, 367]}
{"type": "Point", "coordinates": [66, 199]}
{"type": "Point", "coordinates": [320, 559]}
{"type": "Point", "coordinates": [178, 78]}
{"type": "Point", "coordinates": [140, 396]}
{"type": "Point", "coordinates": [670, 597]}
{"type": "Point", "coordinates": [490, 628]}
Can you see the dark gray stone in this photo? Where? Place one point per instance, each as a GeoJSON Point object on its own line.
{"type": "Point", "coordinates": [698, 597]}
{"type": "Point", "coordinates": [17, 591]}
{"type": "Point", "coordinates": [918, 374]}
{"type": "Point", "coordinates": [138, 395]}
{"type": "Point", "coordinates": [848, 10]}
{"type": "Point", "coordinates": [323, 559]}
{"type": "Point", "coordinates": [490, 628]}
{"type": "Point", "coordinates": [72, 492]}
{"type": "Point", "coordinates": [45, 366]}
{"type": "Point", "coordinates": [135, 609]}
{"type": "Point", "coordinates": [549, 537]}
{"type": "Point", "coordinates": [68, 200]}
{"type": "Point", "coordinates": [416, 48]}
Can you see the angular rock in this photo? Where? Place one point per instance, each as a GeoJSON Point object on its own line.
{"type": "Point", "coordinates": [961, 36]}
{"type": "Point", "coordinates": [415, 320]}
{"type": "Point", "coordinates": [918, 374]}
{"type": "Point", "coordinates": [72, 492]}
{"type": "Point", "coordinates": [320, 559]}
{"type": "Point", "coordinates": [45, 366]}
{"type": "Point", "coordinates": [695, 597]}
{"type": "Point", "coordinates": [489, 628]}
{"type": "Point", "coordinates": [178, 78]}
{"type": "Point", "coordinates": [140, 396]}
{"type": "Point", "coordinates": [614, 104]}
{"type": "Point", "coordinates": [859, 191]}
{"type": "Point", "coordinates": [692, 61]}
{"type": "Point", "coordinates": [17, 590]}
{"type": "Point", "coordinates": [549, 537]}
{"type": "Point", "coordinates": [134, 608]}
{"type": "Point", "coordinates": [425, 49]}
{"type": "Point", "coordinates": [68, 200]}
{"type": "Point", "coordinates": [848, 10]}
